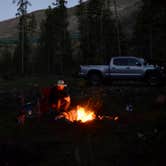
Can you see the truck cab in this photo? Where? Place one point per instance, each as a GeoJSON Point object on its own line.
{"type": "Point", "coordinates": [127, 67]}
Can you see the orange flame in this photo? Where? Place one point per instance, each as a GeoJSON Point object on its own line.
{"type": "Point", "coordinates": [79, 114]}
{"type": "Point", "coordinates": [84, 116]}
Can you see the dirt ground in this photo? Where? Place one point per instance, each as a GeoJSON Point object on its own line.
{"type": "Point", "coordinates": [136, 138]}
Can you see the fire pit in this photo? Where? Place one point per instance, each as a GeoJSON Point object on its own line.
{"type": "Point", "coordinates": [79, 114]}
{"type": "Point", "coordinates": [83, 114]}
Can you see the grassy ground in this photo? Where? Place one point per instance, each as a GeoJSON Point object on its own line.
{"type": "Point", "coordinates": [137, 138]}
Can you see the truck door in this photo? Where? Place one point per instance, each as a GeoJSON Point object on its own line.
{"type": "Point", "coordinates": [119, 68]}
{"type": "Point", "coordinates": [135, 68]}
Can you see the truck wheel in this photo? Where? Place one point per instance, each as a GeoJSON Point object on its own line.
{"type": "Point", "coordinates": [153, 80]}
{"type": "Point", "coordinates": [95, 79]}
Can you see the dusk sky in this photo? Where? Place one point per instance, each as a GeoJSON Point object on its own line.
{"type": "Point", "coordinates": [8, 9]}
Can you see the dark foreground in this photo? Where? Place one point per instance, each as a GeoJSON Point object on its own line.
{"type": "Point", "coordinates": [95, 143]}
{"type": "Point", "coordinates": [137, 138]}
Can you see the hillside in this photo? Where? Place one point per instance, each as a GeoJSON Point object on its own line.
{"type": "Point", "coordinates": [127, 11]}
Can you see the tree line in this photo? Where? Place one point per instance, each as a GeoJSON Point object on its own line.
{"type": "Point", "coordinates": [101, 36]}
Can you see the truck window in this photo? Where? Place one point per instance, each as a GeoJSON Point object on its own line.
{"type": "Point", "coordinates": [120, 62]}
{"type": "Point", "coordinates": [133, 62]}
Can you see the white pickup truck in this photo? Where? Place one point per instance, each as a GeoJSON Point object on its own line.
{"type": "Point", "coordinates": [122, 68]}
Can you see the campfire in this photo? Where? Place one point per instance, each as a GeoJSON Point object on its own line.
{"type": "Point", "coordinates": [83, 115]}
{"type": "Point", "coordinates": [80, 114]}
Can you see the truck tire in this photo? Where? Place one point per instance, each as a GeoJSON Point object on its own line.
{"type": "Point", "coordinates": [95, 79]}
{"type": "Point", "coordinates": [153, 80]}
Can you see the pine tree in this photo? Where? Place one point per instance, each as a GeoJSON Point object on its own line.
{"type": "Point", "coordinates": [46, 42]}
{"type": "Point", "coordinates": [82, 27]}
{"type": "Point", "coordinates": [23, 48]}
{"type": "Point", "coordinates": [63, 45]}
{"type": "Point", "coordinates": [150, 35]}
{"type": "Point", "coordinates": [31, 29]}
{"type": "Point", "coordinates": [98, 31]}
{"type": "Point", "coordinates": [94, 22]}
{"type": "Point", "coordinates": [55, 40]}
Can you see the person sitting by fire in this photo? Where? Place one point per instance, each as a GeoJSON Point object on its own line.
{"type": "Point", "coordinates": [59, 99]}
